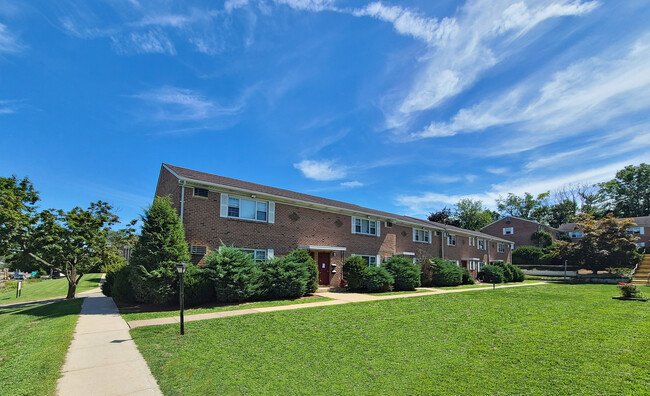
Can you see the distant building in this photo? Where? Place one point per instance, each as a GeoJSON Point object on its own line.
{"type": "Point", "coordinates": [641, 230]}
{"type": "Point", "coordinates": [518, 231]}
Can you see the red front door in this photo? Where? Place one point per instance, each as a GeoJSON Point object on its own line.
{"type": "Point", "coordinates": [323, 268]}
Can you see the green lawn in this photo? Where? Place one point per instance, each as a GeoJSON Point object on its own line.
{"type": "Point", "coordinates": [482, 285]}
{"type": "Point", "coordinates": [33, 344]}
{"type": "Point", "coordinates": [398, 292]}
{"type": "Point", "coordinates": [129, 316]}
{"type": "Point", "coordinates": [49, 288]}
{"type": "Point", "coordinates": [541, 340]}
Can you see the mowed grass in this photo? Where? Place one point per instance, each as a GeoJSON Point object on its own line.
{"type": "Point", "coordinates": [482, 285]}
{"type": "Point", "coordinates": [538, 340]}
{"type": "Point", "coordinates": [33, 344]}
{"type": "Point", "coordinates": [129, 315]}
{"type": "Point", "coordinates": [49, 288]}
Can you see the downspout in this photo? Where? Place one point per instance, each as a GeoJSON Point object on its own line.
{"type": "Point", "coordinates": [182, 198]}
{"type": "Point", "coordinates": [442, 241]}
{"type": "Point", "coordinates": [488, 250]}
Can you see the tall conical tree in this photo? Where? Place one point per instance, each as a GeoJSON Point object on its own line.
{"type": "Point", "coordinates": [160, 246]}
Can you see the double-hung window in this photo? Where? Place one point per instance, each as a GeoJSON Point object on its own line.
{"type": "Point", "coordinates": [421, 236]}
{"type": "Point", "coordinates": [451, 240]}
{"type": "Point", "coordinates": [636, 230]}
{"type": "Point", "coordinates": [472, 241]}
{"type": "Point", "coordinates": [575, 234]}
{"type": "Point", "coordinates": [247, 209]}
{"type": "Point", "coordinates": [365, 226]}
{"type": "Point", "coordinates": [371, 261]}
{"type": "Point", "coordinates": [256, 254]}
{"type": "Point", "coordinates": [481, 244]}
{"type": "Point", "coordinates": [508, 231]}
{"type": "Point", "coordinates": [501, 248]}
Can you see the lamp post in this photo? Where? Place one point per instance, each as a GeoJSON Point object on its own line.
{"type": "Point", "coordinates": [181, 267]}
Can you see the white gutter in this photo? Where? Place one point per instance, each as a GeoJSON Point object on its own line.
{"type": "Point", "coordinates": [182, 198]}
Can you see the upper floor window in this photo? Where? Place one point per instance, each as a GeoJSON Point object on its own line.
{"type": "Point", "coordinates": [575, 234]}
{"type": "Point", "coordinates": [451, 240]}
{"type": "Point", "coordinates": [371, 261]}
{"type": "Point", "coordinates": [481, 244]}
{"type": "Point", "coordinates": [472, 241]}
{"type": "Point", "coordinates": [421, 236]}
{"type": "Point", "coordinates": [256, 254]}
{"type": "Point", "coordinates": [636, 230]}
{"type": "Point", "coordinates": [364, 226]}
{"type": "Point", "coordinates": [508, 231]}
{"type": "Point", "coordinates": [201, 192]}
{"type": "Point", "coordinates": [501, 248]}
{"type": "Point", "coordinates": [247, 209]}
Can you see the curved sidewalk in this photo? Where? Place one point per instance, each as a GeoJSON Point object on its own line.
{"type": "Point", "coordinates": [337, 298]}
{"type": "Point", "coordinates": [102, 358]}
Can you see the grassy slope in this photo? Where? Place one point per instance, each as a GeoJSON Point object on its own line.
{"type": "Point", "coordinates": [49, 288]}
{"type": "Point", "coordinates": [33, 345]}
{"type": "Point", "coordinates": [552, 339]}
{"type": "Point", "coordinates": [130, 316]}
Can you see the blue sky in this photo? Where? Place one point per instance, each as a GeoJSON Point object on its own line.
{"type": "Point", "coordinates": [401, 106]}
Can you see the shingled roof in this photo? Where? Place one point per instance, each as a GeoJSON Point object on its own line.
{"type": "Point", "coordinates": [191, 175]}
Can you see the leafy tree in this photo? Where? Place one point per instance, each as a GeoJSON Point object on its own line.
{"type": "Point", "coordinates": [605, 243]}
{"type": "Point", "coordinates": [562, 212]}
{"type": "Point", "coordinates": [472, 215]}
{"type": "Point", "coordinates": [75, 241]}
{"type": "Point", "coordinates": [159, 248]}
{"type": "Point", "coordinates": [628, 195]}
{"type": "Point", "coordinates": [444, 216]}
{"type": "Point", "coordinates": [526, 206]}
{"type": "Point", "coordinates": [541, 239]}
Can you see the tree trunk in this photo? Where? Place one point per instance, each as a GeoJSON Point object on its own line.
{"type": "Point", "coordinates": [72, 284]}
{"type": "Point", "coordinates": [72, 289]}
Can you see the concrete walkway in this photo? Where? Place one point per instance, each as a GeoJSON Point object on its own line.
{"type": "Point", "coordinates": [337, 298]}
{"type": "Point", "coordinates": [102, 358]}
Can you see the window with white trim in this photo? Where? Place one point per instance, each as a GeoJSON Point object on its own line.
{"type": "Point", "coordinates": [201, 192]}
{"type": "Point", "coordinates": [508, 231]}
{"type": "Point", "coordinates": [575, 234]}
{"type": "Point", "coordinates": [472, 265]}
{"type": "Point", "coordinates": [641, 244]}
{"type": "Point", "coordinates": [247, 209]}
{"type": "Point", "coordinates": [636, 230]}
{"type": "Point", "coordinates": [256, 254]}
{"type": "Point", "coordinates": [421, 236]}
{"type": "Point", "coordinates": [472, 241]}
{"type": "Point", "coordinates": [365, 226]}
{"type": "Point", "coordinates": [371, 261]}
{"type": "Point", "coordinates": [480, 265]}
{"type": "Point", "coordinates": [481, 244]}
{"type": "Point", "coordinates": [451, 240]}
{"type": "Point", "coordinates": [501, 248]}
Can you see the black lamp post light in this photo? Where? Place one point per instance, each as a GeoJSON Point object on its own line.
{"type": "Point", "coordinates": [181, 267]}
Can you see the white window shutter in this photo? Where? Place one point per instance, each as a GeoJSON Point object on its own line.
{"type": "Point", "coordinates": [430, 236]}
{"type": "Point", "coordinates": [270, 253]}
{"type": "Point", "coordinates": [641, 230]}
{"type": "Point", "coordinates": [377, 222]}
{"type": "Point", "coordinates": [224, 204]}
{"type": "Point", "coordinates": [378, 260]}
{"type": "Point", "coordinates": [354, 220]}
{"type": "Point", "coordinates": [413, 233]}
{"type": "Point", "coordinates": [271, 212]}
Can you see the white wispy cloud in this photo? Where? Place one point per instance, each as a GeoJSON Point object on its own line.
{"type": "Point", "coordinates": [352, 184]}
{"type": "Point", "coordinates": [150, 42]}
{"type": "Point", "coordinates": [321, 170]}
{"type": "Point", "coordinates": [181, 104]}
{"type": "Point", "coordinates": [307, 5]}
{"type": "Point", "coordinates": [9, 43]}
{"type": "Point", "coordinates": [10, 106]}
{"type": "Point", "coordinates": [587, 94]}
{"type": "Point", "coordinates": [462, 47]}
{"type": "Point", "coordinates": [496, 170]}
{"type": "Point", "coordinates": [429, 201]}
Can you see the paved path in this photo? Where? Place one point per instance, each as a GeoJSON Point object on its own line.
{"type": "Point", "coordinates": [338, 298]}
{"type": "Point", "coordinates": [102, 358]}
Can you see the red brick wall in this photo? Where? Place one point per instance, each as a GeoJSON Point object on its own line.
{"type": "Point", "coordinates": [523, 230]}
{"type": "Point", "coordinates": [296, 226]}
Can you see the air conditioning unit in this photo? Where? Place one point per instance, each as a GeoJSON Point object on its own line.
{"type": "Point", "coordinates": [198, 249]}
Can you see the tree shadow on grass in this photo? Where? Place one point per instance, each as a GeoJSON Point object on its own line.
{"type": "Point", "coordinates": [48, 311]}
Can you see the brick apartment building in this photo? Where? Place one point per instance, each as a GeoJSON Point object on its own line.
{"type": "Point", "coordinates": [641, 230]}
{"type": "Point", "coordinates": [517, 230]}
{"type": "Point", "coordinates": [268, 221]}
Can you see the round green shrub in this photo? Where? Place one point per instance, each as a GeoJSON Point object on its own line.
{"type": "Point", "coordinates": [198, 286]}
{"type": "Point", "coordinates": [377, 279]}
{"type": "Point", "coordinates": [303, 257]}
{"type": "Point", "coordinates": [467, 277]}
{"type": "Point", "coordinates": [354, 271]}
{"type": "Point", "coordinates": [286, 278]}
{"type": "Point", "coordinates": [404, 272]}
{"type": "Point", "coordinates": [237, 277]}
{"type": "Point", "coordinates": [446, 273]}
{"type": "Point", "coordinates": [491, 274]}
{"type": "Point", "coordinates": [426, 272]}
{"type": "Point", "coordinates": [508, 272]}
{"type": "Point", "coordinates": [121, 288]}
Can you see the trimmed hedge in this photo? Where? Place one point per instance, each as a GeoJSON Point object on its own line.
{"type": "Point", "coordinates": [286, 278]}
{"type": "Point", "coordinates": [467, 277]}
{"type": "Point", "coordinates": [404, 272]}
{"type": "Point", "coordinates": [236, 275]}
{"type": "Point", "coordinates": [445, 273]}
{"type": "Point", "coordinates": [526, 255]}
{"type": "Point", "coordinates": [354, 272]}
{"type": "Point", "coordinates": [491, 274]}
{"type": "Point", "coordinates": [511, 272]}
